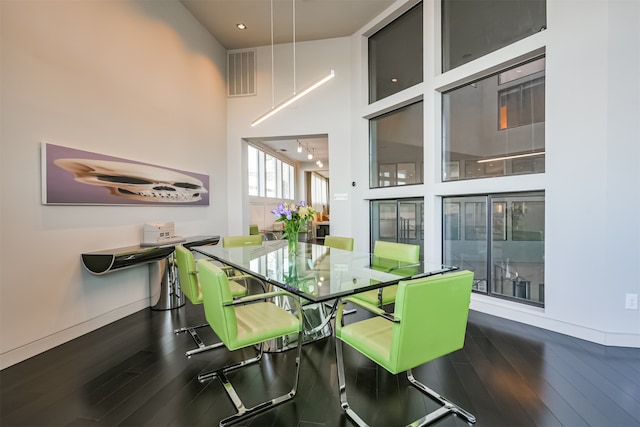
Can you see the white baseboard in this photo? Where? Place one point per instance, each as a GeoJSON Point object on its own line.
{"type": "Point", "coordinates": [17, 355]}
{"type": "Point", "coordinates": [535, 316]}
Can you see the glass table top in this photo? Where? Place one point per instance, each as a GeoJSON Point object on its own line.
{"type": "Point", "coordinates": [316, 272]}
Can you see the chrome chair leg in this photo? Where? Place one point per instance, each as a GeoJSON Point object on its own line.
{"type": "Point", "coordinates": [196, 338]}
{"type": "Point", "coordinates": [213, 374]}
{"type": "Point", "coordinates": [204, 348]}
{"type": "Point", "coordinates": [447, 405]}
{"type": "Point", "coordinates": [342, 388]}
{"type": "Point", "coordinates": [242, 412]}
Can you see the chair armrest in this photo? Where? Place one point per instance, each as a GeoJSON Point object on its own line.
{"type": "Point", "coordinates": [222, 267]}
{"type": "Point", "coordinates": [249, 299]}
{"type": "Point", "coordinates": [262, 297]}
{"type": "Point", "coordinates": [369, 307]}
{"type": "Point", "coordinates": [242, 276]}
{"type": "Point", "coordinates": [362, 304]}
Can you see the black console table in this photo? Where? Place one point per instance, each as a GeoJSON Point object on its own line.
{"type": "Point", "coordinates": [161, 266]}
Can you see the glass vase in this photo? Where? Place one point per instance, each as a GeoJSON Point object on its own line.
{"type": "Point", "coordinates": [293, 244]}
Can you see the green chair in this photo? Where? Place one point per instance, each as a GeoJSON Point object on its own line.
{"type": "Point", "coordinates": [337, 242]}
{"type": "Point", "coordinates": [429, 321]}
{"type": "Point", "coordinates": [190, 287]}
{"type": "Point", "coordinates": [388, 256]}
{"type": "Point", "coordinates": [253, 229]}
{"type": "Point", "coordinates": [238, 241]}
{"type": "Point", "coordinates": [246, 322]}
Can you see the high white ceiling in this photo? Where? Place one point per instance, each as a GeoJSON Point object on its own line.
{"type": "Point", "coordinates": [314, 19]}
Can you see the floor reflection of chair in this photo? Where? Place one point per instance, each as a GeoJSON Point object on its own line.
{"type": "Point", "coordinates": [429, 321]}
{"type": "Point", "coordinates": [190, 286]}
{"type": "Point", "coordinates": [242, 323]}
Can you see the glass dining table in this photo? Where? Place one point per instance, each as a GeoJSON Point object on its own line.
{"type": "Point", "coordinates": [319, 275]}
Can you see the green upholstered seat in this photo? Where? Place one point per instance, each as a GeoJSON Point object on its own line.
{"type": "Point", "coordinates": [245, 322]}
{"type": "Point", "coordinates": [338, 242]}
{"type": "Point", "coordinates": [388, 256]}
{"type": "Point", "coordinates": [253, 229]}
{"type": "Point", "coordinates": [190, 287]}
{"type": "Point", "coordinates": [429, 321]}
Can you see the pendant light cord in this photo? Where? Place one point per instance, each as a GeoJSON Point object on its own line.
{"type": "Point", "coordinates": [273, 79]}
{"type": "Point", "coordinates": [294, 46]}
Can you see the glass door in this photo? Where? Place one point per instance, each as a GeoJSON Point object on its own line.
{"type": "Point", "coordinates": [398, 220]}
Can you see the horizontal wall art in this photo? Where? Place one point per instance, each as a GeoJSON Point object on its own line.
{"type": "Point", "coordinates": [77, 177]}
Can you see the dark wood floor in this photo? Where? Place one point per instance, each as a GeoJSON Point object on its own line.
{"type": "Point", "coordinates": [134, 373]}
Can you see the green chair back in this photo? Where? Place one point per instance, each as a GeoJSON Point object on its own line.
{"type": "Point", "coordinates": [397, 251]}
{"type": "Point", "coordinates": [432, 314]}
{"type": "Point", "coordinates": [187, 275]}
{"type": "Point", "coordinates": [237, 241]}
{"type": "Point", "coordinates": [216, 293]}
{"type": "Point", "coordinates": [337, 242]}
{"type": "Point", "coordinates": [388, 256]}
{"type": "Point", "coordinates": [253, 229]}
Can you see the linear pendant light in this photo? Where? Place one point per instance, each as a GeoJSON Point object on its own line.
{"type": "Point", "coordinates": [296, 96]}
{"type": "Point", "coordinates": [293, 99]}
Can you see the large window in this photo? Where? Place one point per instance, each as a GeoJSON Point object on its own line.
{"type": "Point", "coordinates": [396, 147]}
{"type": "Point", "coordinates": [269, 176]}
{"type": "Point", "coordinates": [500, 238]}
{"type": "Point", "coordinates": [319, 193]}
{"type": "Point", "coordinates": [495, 126]}
{"type": "Point", "coordinates": [398, 220]}
{"type": "Point", "coordinates": [473, 28]}
{"type": "Point", "coordinates": [395, 55]}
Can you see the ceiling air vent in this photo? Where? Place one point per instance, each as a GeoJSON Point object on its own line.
{"type": "Point", "coordinates": [241, 72]}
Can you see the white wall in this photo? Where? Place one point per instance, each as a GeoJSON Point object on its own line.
{"type": "Point", "coordinates": [134, 79]}
{"type": "Point", "coordinates": [324, 111]}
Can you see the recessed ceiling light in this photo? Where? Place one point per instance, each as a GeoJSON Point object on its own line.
{"type": "Point", "coordinates": [241, 26]}
{"type": "Point", "coordinates": [394, 80]}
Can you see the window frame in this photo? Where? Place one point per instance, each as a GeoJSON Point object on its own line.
{"type": "Point", "coordinates": [391, 168]}
{"type": "Point", "coordinates": [277, 182]}
{"type": "Point", "coordinates": [501, 167]}
{"type": "Point", "coordinates": [495, 240]}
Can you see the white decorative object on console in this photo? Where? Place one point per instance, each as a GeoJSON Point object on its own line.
{"type": "Point", "coordinates": [160, 233]}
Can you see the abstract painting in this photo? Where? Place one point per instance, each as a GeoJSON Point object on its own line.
{"type": "Point", "coordinates": [77, 177]}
